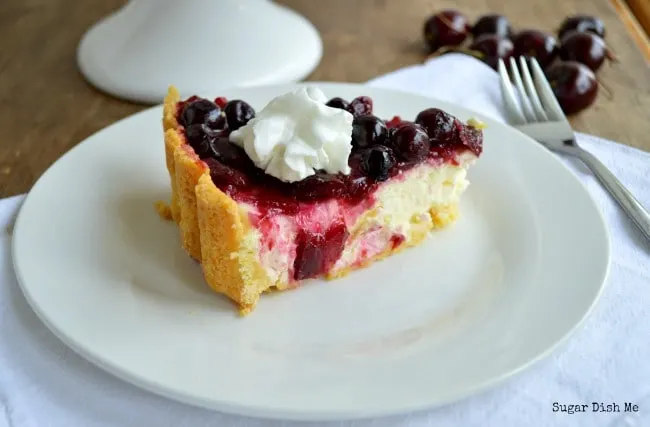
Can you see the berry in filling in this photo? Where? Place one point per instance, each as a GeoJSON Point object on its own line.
{"type": "Point", "coordinates": [316, 252]}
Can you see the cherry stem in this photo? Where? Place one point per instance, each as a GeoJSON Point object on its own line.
{"type": "Point", "coordinates": [609, 54]}
{"type": "Point", "coordinates": [608, 92]}
{"type": "Point", "coordinates": [446, 21]}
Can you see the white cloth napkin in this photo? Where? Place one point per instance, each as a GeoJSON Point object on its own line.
{"type": "Point", "coordinates": [43, 383]}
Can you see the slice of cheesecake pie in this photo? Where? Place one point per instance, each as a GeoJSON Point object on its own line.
{"type": "Point", "coordinates": [308, 187]}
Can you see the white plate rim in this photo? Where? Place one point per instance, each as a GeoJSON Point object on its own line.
{"type": "Point", "coordinates": [298, 414]}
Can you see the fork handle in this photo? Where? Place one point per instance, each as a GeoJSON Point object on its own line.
{"type": "Point", "coordinates": [622, 195]}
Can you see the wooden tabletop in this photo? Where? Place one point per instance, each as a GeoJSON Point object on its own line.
{"type": "Point", "coordinates": [47, 107]}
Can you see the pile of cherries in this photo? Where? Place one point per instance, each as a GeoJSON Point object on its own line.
{"type": "Point", "coordinates": [379, 150]}
{"type": "Point", "coordinates": [569, 64]}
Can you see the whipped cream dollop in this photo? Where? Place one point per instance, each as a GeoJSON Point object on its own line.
{"type": "Point", "coordinates": [297, 134]}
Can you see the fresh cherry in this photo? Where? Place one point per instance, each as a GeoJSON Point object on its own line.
{"type": "Point", "coordinates": [367, 131]}
{"type": "Point", "coordinates": [411, 142]}
{"type": "Point", "coordinates": [361, 106]}
{"type": "Point", "coordinates": [446, 28]}
{"type": "Point", "coordinates": [377, 162]}
{"type": "Point", "coordinates": [583, 23]}
{"type": "Point", "coordinates": [320, 186]}
{"type": "Point", "coordinates": [440, 125]}
{"type": "Point", "coordinates": [574, 85]}
{"type": "Point", "coordinates": [536, 44]}
{"type": "Point", "coordinates": [494, 24]}
{"type": "Point", "coordinates": [586, 48]}
{"type": "Point", "coordinates": [338, 103]}
{"type": "Point", "coordinates": [195, 111]}
{"type": "Point", "coordinates": [238, 113]}
{"type": "Point", "coordinates": [493, 47]}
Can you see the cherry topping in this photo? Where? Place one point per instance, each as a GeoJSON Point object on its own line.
{"type": "Point", "coordinates": [411, 142]}
{"type": "Point", "coordinates": [471, 137]}
{"type": "Point", "coordinates": [586, 48]}
{"type": "Point", "coordinates": [367, 131]}
{"type": "Point", "coordinates": [221, 102]}
{"type": "Point", "coordinates": [377, 162]}
{"type": "Point", "coordinates": [574, 85]}
{"type": "Point", "coordinates": [583, 23]}
{"type": "Point", "coordinates": [194, 112]}
{"type": "Point", "coordinates": [374, 159]}
{"type": "Point", "coordinates": [230, 154]}
{"type": "Point", "coordinates": [338, 103]}
{"type": "Point", "coordinates": [358, 187]}
{"type": "Point", "coordinates": [361, 106]}
{"type": "Point", "coordinates": [320, 186]}
{"type": "Point", "coordinates": [447, 28]}
{"type": "Point", "coordinates": [440, 125]}
{"type": "Point", "coordinates": [354, 160]}
{"type": "Point", "coordinates": [194, 134]}
{"type": "Point", "coordinates": [394, 122]}
{"type": "Point", "coordinates": [494, 47]}
{"type": "Point", "coordinates": [316, 252]}
{"type": "Point", "coordinates": [215, 120]}
{"type": "Point", "coordinates": [226, 177]}
{"type": "Point", "coordinates": [494, 24]}
{"type": "Point", "coordinates": [238, 113]}
{"type": "Point", "coordinates": [536, 44]}
{"type": "Point", "coordinates": [446, 152]}
{"type": "Point", "coordinates": [199, 140]}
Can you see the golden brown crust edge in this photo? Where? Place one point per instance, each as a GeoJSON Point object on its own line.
{"type": "Point", "coordinates": [188, 168]}
{"type": "Point", "coordinates": [212, 227]}
{"type": "Point", "coordinates": [172, 140]}
{"type": "Point", "coordinates": [228, 267]}
{"type": "Point", "coordinates": [185, 169]}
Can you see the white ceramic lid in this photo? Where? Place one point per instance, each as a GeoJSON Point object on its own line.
{"type": "Point", "coordinates": [200, 46]}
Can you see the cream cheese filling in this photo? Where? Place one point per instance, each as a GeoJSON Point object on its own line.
{"type": "Point", "coordinates": [401, 207]}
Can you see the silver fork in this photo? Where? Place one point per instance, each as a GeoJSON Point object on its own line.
{"type": "Point", "coordinates": [534, 110]}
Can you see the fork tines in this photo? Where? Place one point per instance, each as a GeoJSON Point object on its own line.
{"type": "Point", "coordinates": [531, 99]}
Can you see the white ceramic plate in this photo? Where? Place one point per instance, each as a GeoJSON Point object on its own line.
{"type": "Point", "coordinates": [473, 305]}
